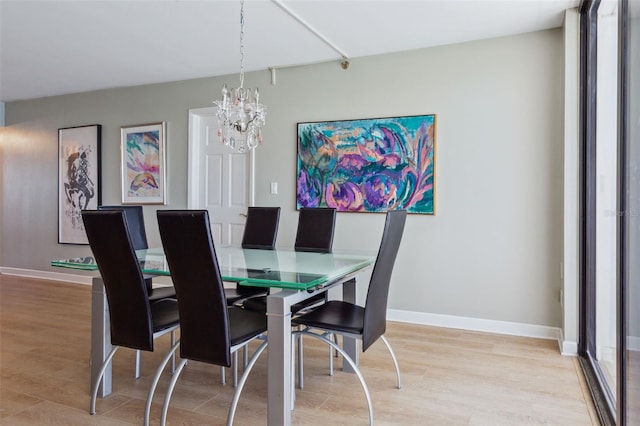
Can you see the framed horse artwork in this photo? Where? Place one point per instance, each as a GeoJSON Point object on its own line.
{"type": "Point", "coordinates": [79, 172]}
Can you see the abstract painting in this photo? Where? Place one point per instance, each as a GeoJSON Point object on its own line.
{"type": "Point", "coordinates": [79, 179]}
{"type": "Point", "coordinates": [369, 165]}
{"type": "Point", "coordinates": [143, 164]}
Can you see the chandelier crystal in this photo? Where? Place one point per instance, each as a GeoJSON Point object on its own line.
{"type": "Point", "coordinates": [240, 113]}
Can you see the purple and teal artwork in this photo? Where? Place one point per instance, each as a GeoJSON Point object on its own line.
{"type": "Point", "coordinates": [370, 165]}
{"type": "Point", "coordinates": [143, 173]}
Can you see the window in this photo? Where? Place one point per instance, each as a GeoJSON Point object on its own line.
{"type": "Point", "coordinates": [609, 336]}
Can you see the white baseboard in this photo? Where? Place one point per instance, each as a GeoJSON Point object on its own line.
{"type": "Point", "coordinates": [47, 275]}
{"type": "Point", "coordinates": [567, 347]}
{"type": "Point", "coordinates": [483, 325]}
{"type": "Point", "coordinates": [159, 281]}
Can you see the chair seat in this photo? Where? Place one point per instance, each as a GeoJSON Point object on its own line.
{"type": "Point", "coordinates": [259, 303]}
{"type": "Point", "coordinates": [244, 325]}
{"type": "Point", "coordinates": [164, 314]}
{"type": "Point", "coordinates": [334, 315]}
{"type": "Point", "coordinates": [162, 293]}
{"type": "Point", "coordinates": [234, 295]}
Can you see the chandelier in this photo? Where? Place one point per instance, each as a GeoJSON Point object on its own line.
{"type": "Point", "coordinates": [240, 113]}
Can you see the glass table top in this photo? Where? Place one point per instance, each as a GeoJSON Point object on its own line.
{"type": "Point", "coordinates": [283, 268]}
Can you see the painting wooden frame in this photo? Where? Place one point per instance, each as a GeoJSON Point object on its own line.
{"type": "Point", "coordinates": [79, 179]}
{"type": "Point", "coordinates": [143, 166]}
{"type": "Point", "coordinates": [368, 165]}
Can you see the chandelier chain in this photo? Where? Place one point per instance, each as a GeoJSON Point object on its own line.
{"type": "Point", "coordinates": [241, 44]}
{"type": "Point", "coordinates": [241, 116]}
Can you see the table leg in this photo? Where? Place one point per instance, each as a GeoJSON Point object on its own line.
{"type": "Point", "coordinates": [349, 344]}
{"type": "Point", "coordinates": [279, 361]}
{"type": "Point", "coordinates": [100, 336]}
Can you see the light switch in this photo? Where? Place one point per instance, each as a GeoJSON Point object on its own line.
{"type": "Point", "coordinates": [274, 187]}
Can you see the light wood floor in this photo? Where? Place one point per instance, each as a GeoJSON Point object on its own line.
{"type": "Point", "coordinates": [450, 377]}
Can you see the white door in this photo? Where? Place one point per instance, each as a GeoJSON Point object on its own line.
{"type": "Point", "coordinates": [220, 179]}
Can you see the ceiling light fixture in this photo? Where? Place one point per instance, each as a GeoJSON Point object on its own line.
{"type": "Point", "coordinates": [240, 113]}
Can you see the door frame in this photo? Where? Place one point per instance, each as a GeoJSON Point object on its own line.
{"type": "Point", "coordinates": [196, 116]}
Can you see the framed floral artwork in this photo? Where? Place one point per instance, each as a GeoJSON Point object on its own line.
{"type": "Point", "coordinates": [143, 168]}
{"type": "Point", "coordinates": [368, 165]}
{"type": "Point", "coordinates": [78, 179]}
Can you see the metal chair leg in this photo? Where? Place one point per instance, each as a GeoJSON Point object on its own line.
{"type": "Point", "coordinates": [353, 365]}
{"type": "Point", "coordinates": [393, 357]}
{"type": "Point", "coordinates": [243, 379]}
{"type": "Point", "coordinates": [332, 353]}
{"type": "Point", "coordinates": [331, 350]}
{"type": "Point", "coordinates": [94, 391]}
{"type": "Point", "coordinates": [173, 357]}
{"type": "Point", "coordinates": [167, 398]}
{"type": "Point", "coordinates": [156, 378]}
{"type": "Point", "coordinates": [234, 361]}
{"type": "Point", "coordinates": [300, 362]}
{"type": "Point", "coordinates": [293, 373]}
{"type": "Point", "coordinates": [137, 363]}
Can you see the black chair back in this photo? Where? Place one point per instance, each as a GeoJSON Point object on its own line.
{"type": "Point", "coordinates": [261, 228]}
{"type": "Point", "coordinates": [135, 221]}
{"type": "Point", "coordinates": [110, 242]}
{"type": "Point", "coordinates": [315, 229]}
{"type": "Point", "coordinates": [375, 310]}
{"type": "Point", "coordinates": [191, 256]}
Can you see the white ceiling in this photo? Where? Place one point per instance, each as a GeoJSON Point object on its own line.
{"type": "Point", "coordinates": [58, 47]}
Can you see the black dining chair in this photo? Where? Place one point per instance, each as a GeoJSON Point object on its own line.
{"type": "Point", "coordinates": [135, 321]}
{"type": "Point", "coordinates": [314, 233]}
{"type": "Point", "coordinates": [135, 221]}
{"type": "Point", "coordinates": [137, 231]}
{"type": "Point", "coordinates": [261, 228]}
{"type": "Point", "coordinates": [366, 323]}
{"type": "Point", "coordinates": [211, 331]}
{"type": "Point", "coordinates": [260, 232]}
{"type": "Point", "coordinates": [315, 229]}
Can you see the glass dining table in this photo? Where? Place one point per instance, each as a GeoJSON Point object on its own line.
{"type": "Point", "coordinates": [292, 277]}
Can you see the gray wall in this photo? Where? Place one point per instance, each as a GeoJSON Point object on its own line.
{"type": "Point", "coordinates": [492, 250]}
